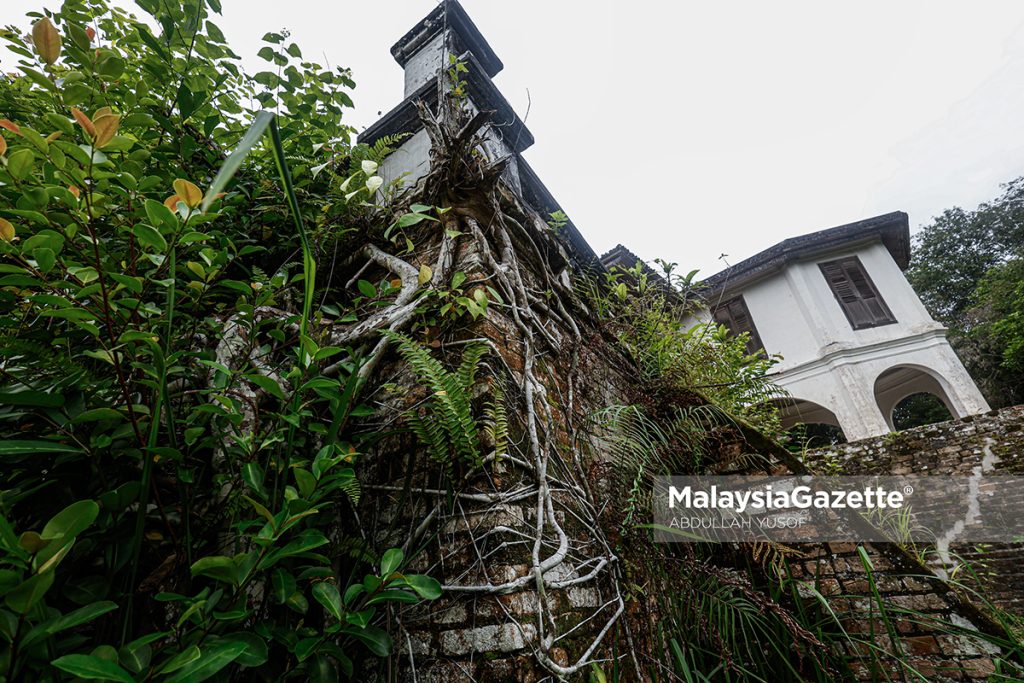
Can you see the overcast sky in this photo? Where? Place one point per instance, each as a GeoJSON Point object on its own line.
{"type": "Point", "coordinates": [690, 129]}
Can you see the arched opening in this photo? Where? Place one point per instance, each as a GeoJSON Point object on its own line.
{"type": "Point", "coordinates": [809, 424]}
{"type": "Point", "coordinates": [918, 410]}
{"type": "Point", "coordinates": [911, 396]}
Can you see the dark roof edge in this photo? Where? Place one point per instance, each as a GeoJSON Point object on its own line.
{"type": "Point", "coordinates": [622, 257]}
{"type": "Point", "coordinates": [892, 229]}
{"type": "Point", "coordinates": [540, 198]}
{"type": "Point", "coordinates": [405, 119]}
{"type": "Point", "coordinates": [468, 37]}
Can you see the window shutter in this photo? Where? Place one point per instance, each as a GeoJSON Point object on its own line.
{"type": "Point", "coordinates": [735, 315]}
{"type": "Point", "coordinates": [856, 294]}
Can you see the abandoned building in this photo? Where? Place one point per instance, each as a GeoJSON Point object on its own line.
{"type": "Point", "coordinates": [532, 565]}
{"type": "Point", "coordinates": [853, 336]}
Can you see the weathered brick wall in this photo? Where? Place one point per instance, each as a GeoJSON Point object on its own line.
{"type": "Point", "coordinates": [485, 536]}
{"type": "Point", "coordinates": [954, 447]}
{"type": "Point", "coordinates": [993, 441]}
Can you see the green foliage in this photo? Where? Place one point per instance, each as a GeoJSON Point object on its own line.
{"type": "Point", "coordinates": [179, 442]}
{"type": "Point", "coordinates": [919, 409]}
{"type": "Point", "coordinates": [445, 422]}
{"type": "Point", "coordinates": [999, 311]}
{"type": "Point", "coordinates": [653, 317]}
{"type": "Point", "coordinates": [968, 268]}
{"type": "Point", "coordinates": [459, 299]}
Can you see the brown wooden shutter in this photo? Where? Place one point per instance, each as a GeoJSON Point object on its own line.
{"type": "Point", "coordinates": [735, 315]}
{"type": "Point", "coordinates": [856, 294]}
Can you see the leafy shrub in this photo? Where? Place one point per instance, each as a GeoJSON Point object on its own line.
{"type": "Point", "coordinates": [177, 443]}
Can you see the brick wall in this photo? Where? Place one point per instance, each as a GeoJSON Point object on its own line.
{"type": "Point", "coordinates": [997, 571]}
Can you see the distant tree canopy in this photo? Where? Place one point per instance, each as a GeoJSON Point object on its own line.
{"type": "Point", "coordinates": [968, 268]}
{"type": "Point", "coordinates": [919, 409]}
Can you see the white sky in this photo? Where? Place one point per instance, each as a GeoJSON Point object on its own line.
{"type": "Point", "coordinates": [690, 129]}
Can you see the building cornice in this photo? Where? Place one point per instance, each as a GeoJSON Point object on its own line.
{"type": "Point", "coordinates": [466, 37]}
{"type": "Point", "coordinates": [831, 360]}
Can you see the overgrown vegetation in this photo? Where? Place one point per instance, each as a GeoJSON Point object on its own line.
{"type": "Point", "coordinates": [201, 280]}
{"type": "Point", "coordinates": [178, 445]}
{"type": "Point", "coordinates": [968, 268]}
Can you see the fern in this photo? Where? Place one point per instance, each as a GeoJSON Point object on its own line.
{"type": "Point", "coordinates": [496, 421]}
{"type": "Point", "coordinates": [446, 426]}
{"type": "Point", "coordinates": [376, 152]}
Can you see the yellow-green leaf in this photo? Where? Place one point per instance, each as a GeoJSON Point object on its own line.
{"type": "Point", "coordinates": [6, 230]}
{"type": "Point", "coordinates": [425, 274]}
{"type": "Point", "coordinates": [46, 40]}
{"type": "Point", "coordinates": [189, 193]}
{"type": "Point", "coordinates": [106, 123]}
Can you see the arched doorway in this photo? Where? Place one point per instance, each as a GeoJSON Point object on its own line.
{"type": "Point", "coordinates": [809, 424]}
{"type": "Point", "coordinates": [917, 410]}
{"type": "Point", "coordinates": [917, 392]}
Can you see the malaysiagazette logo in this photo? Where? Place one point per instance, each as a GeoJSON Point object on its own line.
{"type": "Point", "coordinates": [796, 498]}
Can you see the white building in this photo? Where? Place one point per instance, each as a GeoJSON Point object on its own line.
{"type": "Point", "coordinates": [854, 336]}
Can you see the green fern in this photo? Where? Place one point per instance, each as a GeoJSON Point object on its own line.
{"type": "Point", "coordinates": [446, 425]}
{"type": "Point", "coordinates": [496, 421]}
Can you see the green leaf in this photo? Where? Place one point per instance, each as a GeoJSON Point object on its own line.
{"type": "Point", "coordinates": [376, 639]}
{"type": "Point", "coordinates": [253, 476]}
{"type": "Point", "coordinates": [136, 659]}
{"type": "Point", "coordinates": [179, 660]}
{"type": "Point", "coordinates": [24, 597]}
{"type": "Point", "coordinates": [268, 384]}
{"type": "Point", "coordinates": [326, 593]}
{"type": "Point", "coordinates": [149, 236]}
{"type": "Point", "coordinates": [255, 653]}
{"type": "Point", "coordinates": [391, 560]}
{"type": "Point", "coordinates": [392, 596]}
{"type": "Point", "coordinates": [307, 540]}
{"type": "Point", "coordinates": [93, 668]}
{"type": "Point", "coordinates": [412, 219]}
{"type": "Point", "coordinates": [110, 65]}
{"type": "Point", "coordinates": [81, 616]}
{"type": "Point", "coordinates": [211, 660]}
{"type": "Point", "coordinates": [305, 481]}
{"type": "Point", "coordinates": [19, 163]}
{"type": "Point", "coordinates": [217, 567]}
{"type": "Point", "coordinates": [352, 592]}
{"type": "Point", "coordinates": [45, 259]}
{"type": "Point", "coordinates": [426, 587]}
{"type": "Point", "coordinates": [71, 521]}
{"type": "Point", "coordinates": [305, 647]}
{"type": "Point", "coordinates": [283, 584]}
{"type": "Point", "coordinates": [367, 289]}
{"type": "Point", "coordinates": [37, 399]}
{"type": "Point", "coordinates": [233, 162]}
{"type": "Point", "coordinates": [98, 414]}
{"type": "Point", "coordinates": [160, 216]}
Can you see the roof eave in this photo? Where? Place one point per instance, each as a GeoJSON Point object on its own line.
{"type": "Point", "coordinates": [892, 230]}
